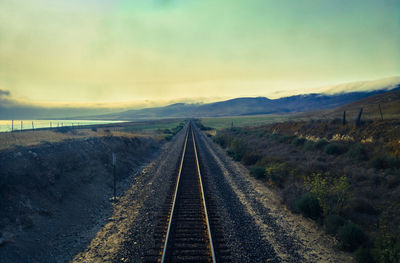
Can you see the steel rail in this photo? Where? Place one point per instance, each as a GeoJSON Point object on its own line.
{"type": "Point", "coordinates": [173, 203]}
{"type": "Point", "coordinates": [204, 202]}
{"type": "Point", "coordinates": [164, 253]}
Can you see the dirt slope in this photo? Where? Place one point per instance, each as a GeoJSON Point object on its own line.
{"type": "Point", "coordinates": [55, 196]}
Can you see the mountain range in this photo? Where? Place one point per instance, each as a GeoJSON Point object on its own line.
{"type": "Point", "coordinates": [249, 106]}
{"type": "Point", "coordinates": [328, 98]}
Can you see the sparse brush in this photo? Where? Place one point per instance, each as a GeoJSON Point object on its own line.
{"type": "Point", "coordinates": [384, 161]}
{"type": "Point", "coordinates": [257, 171]}
{"type": "Point", "coordinates": [298, 141]}
{"type": "Point", "coordinates": [320, 144]}
{"type": "Point", "coordinates": [309, 146]}
{"type": "Point", "coordinates": [357, 151]}
{"type": "Point", "coordinates": [332, 223]}
{"type": "Point", "coordinates": [335, 148]}
{"type": "Point", "coordinates": [309, 206]}
{"type": "Point", "coordinates": [351, 236]}
{"type": "Point", "coordinates": [250, 158]}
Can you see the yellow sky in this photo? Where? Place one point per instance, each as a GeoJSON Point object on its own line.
{"type": "Point", "coordinates": [144, 51]}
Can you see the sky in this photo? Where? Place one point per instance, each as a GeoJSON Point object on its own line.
{"type": "Point", "coordinates": [149, 52]}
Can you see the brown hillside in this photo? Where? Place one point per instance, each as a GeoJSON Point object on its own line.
{"type": "Point", "coordinates": [389, 102]}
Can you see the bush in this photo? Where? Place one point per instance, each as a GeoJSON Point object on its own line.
{"type": "Point", "coordinates": [309, 146]}
{"type": "Point", "coordinates": [251, 158]}
{"type": "Point", "coordinates": [223, 140]}
{"type": "Point", "coordinates": [281, 138]}
{"type": "Point", "coordinates": [384, 162]}
{"type": "Point", "coordinates": [363, 255]}
{"type": "Point", "coordinates": [357, 151]}
{"type": "Point", "coordinates": [331, 192]}
{"type": "Point", "coordinates": [309, 206]}
{"type": "Point", "coordinates": [351, 236]}
{"type": "Point", "coordinates": [167, 131]}
{"type": "Point", "coordinates": [320, 144]}
{"type": "Point", "coordinates": [94, 129]}
{"type": "Point", "coordinates": [276, 173]}
{"type": "Point", "coordinates": [237, 149]}
{"type": "Point", "coordinates": [298, 141]}
{"type": "Point", "coordinates": [285, 138]}
{"type": "Point", "coordinates": [387, 248]}
{"type": "Point", "coordinates": [333, 223]}
{"type": "Point", "coordinates": [257, 171]}
{"type": "Point", "coordinates": [335, 148]}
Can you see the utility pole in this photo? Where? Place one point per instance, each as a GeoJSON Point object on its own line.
{"type": "Point", "coordinates": [358, 121]}
{"type": "Point", "coordinates": [114, 162]}
{"type": "Point", "coordinates": [12, 125]}
{"type": "Point", "coordinates": [21, 125]}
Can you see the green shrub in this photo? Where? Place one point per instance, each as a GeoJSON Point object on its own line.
{"type": "Point", "coordinates": [309, 146]}
{"type": "Point", "coordinates": [335, 148]}
{"type": "Point", "coordinates": [238, 149]}
{"type": "Point", "coordinates": [320, 144]}
{"type": "Point", "coordinates": [387, 248]}
{"type": "Point", "coordinates": [281, 138]}
{"type": "Point", "coordinates": [309, 206]}
{"type": "Point", "coordinates": [331, 192]}
{"type": "Point", "coordinates": [257, 171]}
{"type": "Point", "coordinates": [276, 173]}
{"type": "Point", "coordinates": [223, 140]}
{"type": "Point", "coordinates": [250, 158]}
{"type": "Point", "coordinates": [351, 236]}
{"type": "Point", "coordinates": [332, 223]}
{"type": "Point", "coordinates": [357, 151]}
{"type": "Point", "coordinates": [384, 161]}
{"type": "Point", "coordinates": [298, 141]}
{"type": "Point", "coordinates": [167, 131]}
{"type": "Point", "coordinates": [363, 255]}
{"type": "Point", "coordinates": [273, 136]}
{"type": "Point", "coordinates": [285, 139]}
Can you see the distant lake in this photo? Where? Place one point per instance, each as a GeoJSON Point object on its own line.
{"type": "Point", "coordinates": [6, 125]}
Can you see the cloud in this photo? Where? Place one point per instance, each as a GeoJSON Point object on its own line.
{"type": "Point", "coordinates": [4, 93]}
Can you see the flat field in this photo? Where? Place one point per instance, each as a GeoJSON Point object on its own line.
{"type": "Point", "coordinates": [240, 121]}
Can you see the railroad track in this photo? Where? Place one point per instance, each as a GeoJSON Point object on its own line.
{"type": "Point", "coordinates": [189, 230]}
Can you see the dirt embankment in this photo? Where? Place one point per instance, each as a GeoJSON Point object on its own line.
{"type": "Point", "coordinates": [54, 197]}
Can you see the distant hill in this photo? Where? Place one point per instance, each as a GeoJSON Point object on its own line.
{"type": "Point", "coordinates": [248, 106]}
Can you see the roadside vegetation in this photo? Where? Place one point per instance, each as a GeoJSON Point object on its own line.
{"type": "Point", "coordinates": [346, 178]}
{"type": "Point", "coordinates": [159, 130]}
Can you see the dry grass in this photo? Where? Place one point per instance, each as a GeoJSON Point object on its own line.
{"type": "Point", "coordinates": [29, 138]}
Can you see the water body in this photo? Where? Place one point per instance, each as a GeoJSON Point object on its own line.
{"type": "Point", "coordinates": [7, 125]}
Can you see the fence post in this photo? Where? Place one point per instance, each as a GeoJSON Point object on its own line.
{"type": "Point", "coordinates": [12, 125]}
{"type": "Point", "coordinates": [380, 111]}
{"type": "Point", "coordinates": [358, 121]}
{"type": "Point", "coordinates": [344, 117]}
{"type": "Point", "coordinates": [21, 125]}
{"type": "Point", "coordinates": [33, 127]}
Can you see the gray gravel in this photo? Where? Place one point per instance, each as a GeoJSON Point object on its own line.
{"type": "Point", "coordinates": [159, 174]}
{"type": "Point", "coordinates": [241, 232]}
